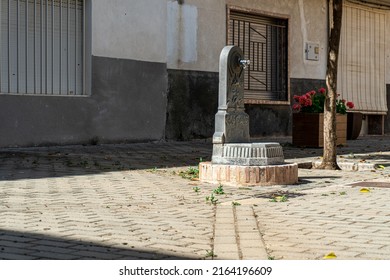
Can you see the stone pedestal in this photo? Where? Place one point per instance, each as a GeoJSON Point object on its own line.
{"type": "Point", "coordinates": [236, 175]}
{"type": "Point", "coordinates": [235, 160]}
{"type": "Point", "coordinates": [248, 154]}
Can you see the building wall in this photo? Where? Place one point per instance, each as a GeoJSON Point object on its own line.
{"type": "Point", "coordinates": [209, 22]}
{"type": "Point", "coordinates": [130, 29]}
{"type": "Point", "coordinates": [154, 74]}
{"type": "Point", "coordinates": [128, 78]}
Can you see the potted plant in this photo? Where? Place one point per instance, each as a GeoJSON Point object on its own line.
{"type": "Point", "coordinates": [308, 119]}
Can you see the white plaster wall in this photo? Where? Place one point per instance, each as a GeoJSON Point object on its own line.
{"type": "Point", "coordinates": [129, 29]}
{"type": "Point", "coordinates": [201, 38]}
{"type": "Point", "coordinates": [190, 35]}
{"type": "Point", "coordinates": [307, 24]}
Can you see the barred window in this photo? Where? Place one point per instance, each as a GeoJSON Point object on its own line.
{"type": "Point", "coordinates": [42, 47]}
{"type": "Point", "coordinates": [263, 40]}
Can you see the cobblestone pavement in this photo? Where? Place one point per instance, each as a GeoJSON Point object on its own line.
{"type": "Point", "coordinates": [131, 201]}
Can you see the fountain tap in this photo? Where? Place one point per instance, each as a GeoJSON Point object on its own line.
{"type": "Point", "coordinates": [245, 63]}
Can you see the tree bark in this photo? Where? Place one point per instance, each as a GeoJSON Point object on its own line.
{"type": "Point", "coordinates": [329, 160]}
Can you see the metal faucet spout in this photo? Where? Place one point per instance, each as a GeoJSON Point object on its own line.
{"type": "Point", "coordinates": [245, 63]}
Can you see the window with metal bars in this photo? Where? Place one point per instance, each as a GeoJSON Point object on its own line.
{"type": "Point", "coordinates": [42, 47]}
{"type": "Point", "coordinates": [263, 40]}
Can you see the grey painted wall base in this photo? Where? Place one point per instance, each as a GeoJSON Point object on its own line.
{"type": "Point", "coordinates": [301, 86]}
{"type": "Point", "coordinates": [128, 103]}
{"type": "Point", "coordinates": [192, 104]}
{"type": "Point", "coordinates": [269, 120]}
{"type": "Point", "coordinates": [125, 106]}
{"type": "Point", "coordinates": [276, 120]}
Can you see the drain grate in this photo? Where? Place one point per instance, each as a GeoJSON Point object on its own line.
{"type": "Point", "coordinates": [383, 185]}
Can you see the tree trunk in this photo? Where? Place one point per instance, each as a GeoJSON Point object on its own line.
{"type": "Point", "coordinates": [330, 155]}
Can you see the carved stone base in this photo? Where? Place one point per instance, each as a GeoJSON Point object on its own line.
{"type": "Point", "coordinates": [248, 154]}
{"type": "Point", "coordinates": [283, 174]}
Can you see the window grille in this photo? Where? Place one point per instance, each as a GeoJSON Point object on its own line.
{"type": "Point", "coordinates": [42, 47]}
{"type": "Point", "coordinates": [263, 41]}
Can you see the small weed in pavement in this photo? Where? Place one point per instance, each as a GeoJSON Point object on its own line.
{"type": "Point", "coordinates": [235, 203]}
{"type": "Point", "coordinates": [196, 189]}
{"type": "Point", "coordinates": [342, 193]}
{"type": "Point", "coordinates": [210, 254]}
{"type": "Point", "coordinates": [212, 199]}
{"type": "Point", "coordinates": [191, 173]}
{"type": "Point", "coordinates": [219, 190]}
{"type": "Point", "coordinates": [282, 198]}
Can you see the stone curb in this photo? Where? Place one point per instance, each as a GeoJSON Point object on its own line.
{"type": "Point", "coordinates": [345, 166]}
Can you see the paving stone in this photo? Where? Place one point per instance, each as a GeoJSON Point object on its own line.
{"type": "Point", "coordinates": [76, 198]}
{"type": "Point", "coordinates": [12, 256]}
{"type": "Point", "coordinates": [227, 256]}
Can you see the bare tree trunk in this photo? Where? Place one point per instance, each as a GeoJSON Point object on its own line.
{"type": "Point", "coordinates": [330, 155]}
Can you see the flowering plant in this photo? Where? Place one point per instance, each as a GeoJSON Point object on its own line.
{"type": "Point", "coordinates": [313, 102]}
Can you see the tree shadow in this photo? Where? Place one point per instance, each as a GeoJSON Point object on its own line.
{"type": "Point", "coordinates": [280, 193]}
{"type": "Point", "coordinates": [303, 180]}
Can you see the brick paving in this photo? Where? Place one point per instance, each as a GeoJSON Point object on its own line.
{"type": "Point", "coordinates": [130, 202]}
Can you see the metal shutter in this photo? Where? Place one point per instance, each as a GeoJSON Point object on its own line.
{"type": "Point", "coordinates": [362, 58]}
{"type": "Point", "coordinates": [42, 47]}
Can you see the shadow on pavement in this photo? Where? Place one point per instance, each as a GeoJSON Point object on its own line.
{"type": "Point", "coordinates": [46, 162]}
{"type": "Point", "coordinates": [362, 145]}
{"type": "Point", "coordinates": [30, 246]}
{"type": "Point", "coordinates": [307, 180]}
{"type": "Point", "coordinates": [34, 163]}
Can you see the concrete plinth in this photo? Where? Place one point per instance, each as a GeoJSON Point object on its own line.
{"type": "Point", "coordinates": [248, 154]}
{"type": "Point", "coordinates": [281, 174]}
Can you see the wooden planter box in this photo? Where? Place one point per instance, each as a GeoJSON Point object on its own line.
{"type": "Point", "coordinates": [308, 129]}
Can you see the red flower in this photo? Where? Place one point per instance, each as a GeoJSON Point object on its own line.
{"type": "Point", "coordinates": [302, 100]}
{"type": "Point", "coordinates": [296, 107]}
{"type": "Point", "coordinates": [296, 98]}
{"type": "Point", "coordinates": [309, 102]}
{"type": "Point", "coordinates": [313, 102]}
{"type": "Point", "coordinates": [350, 105]}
